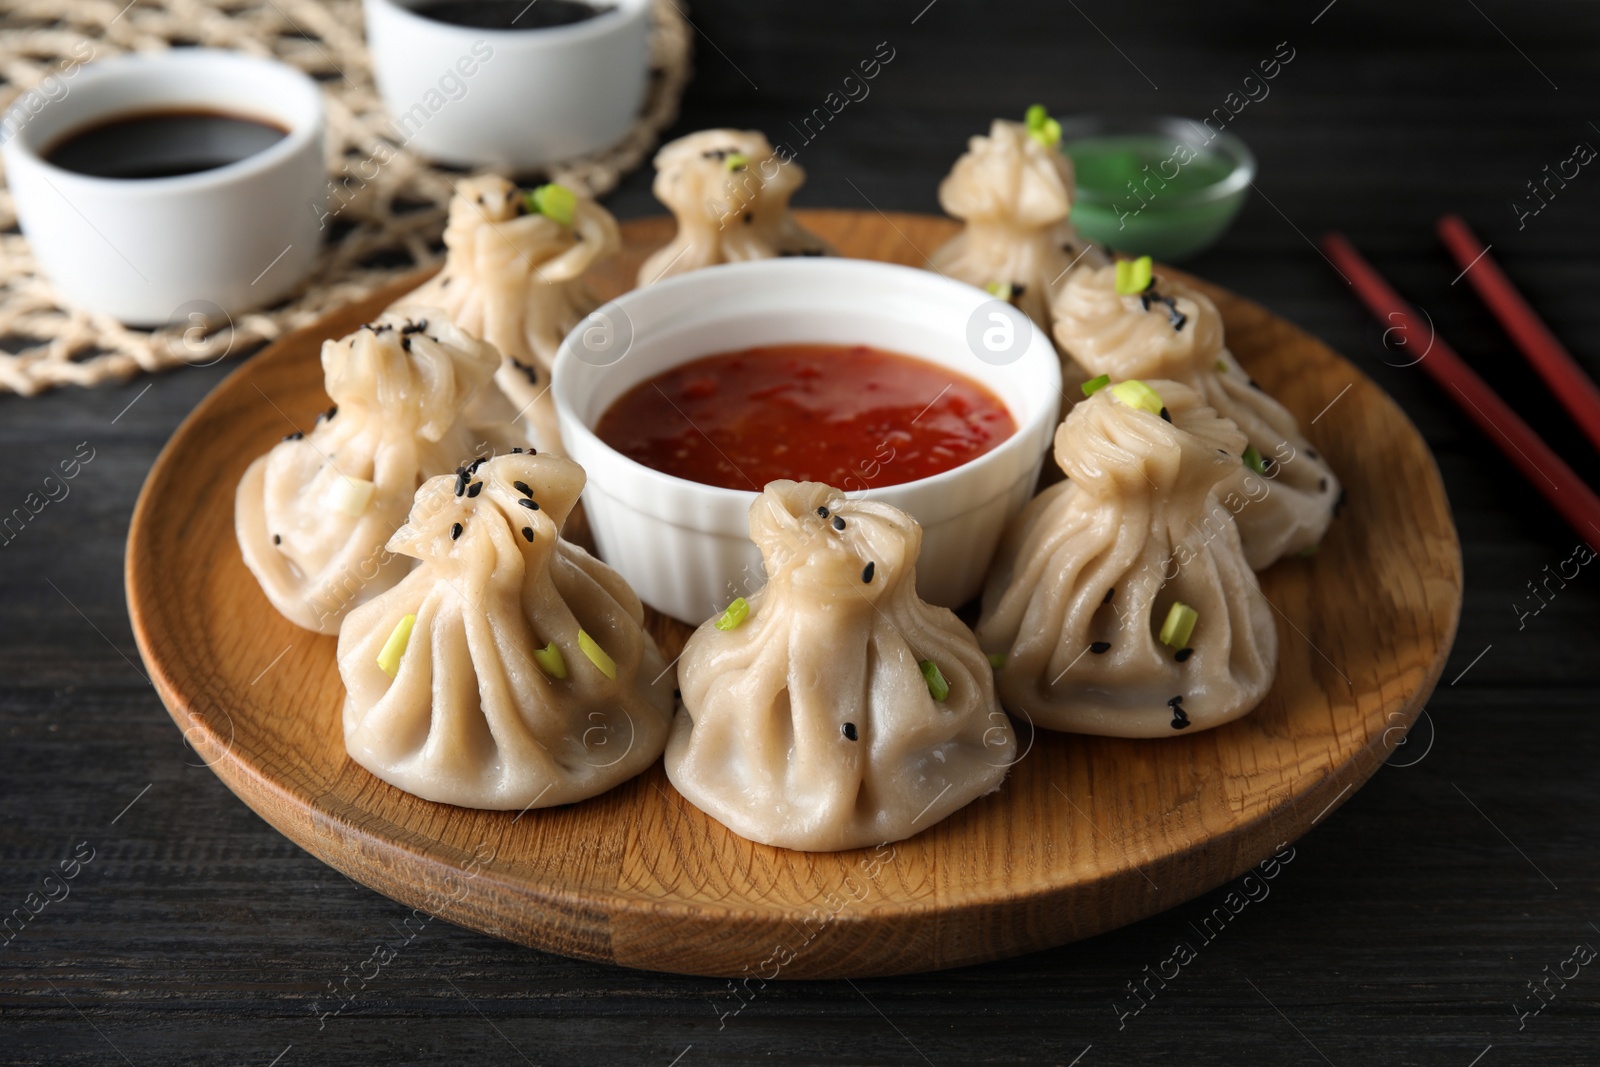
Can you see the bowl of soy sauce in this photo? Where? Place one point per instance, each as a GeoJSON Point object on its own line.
{"type": "Point", "coordinates": [170, 185]}
{"type": "Point", "coordinates": [510, 84]}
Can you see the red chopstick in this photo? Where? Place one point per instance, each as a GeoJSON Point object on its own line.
{"type": "Point", "coordinates": [1544, 470]}
{"type": "Point", "coordinates": [1574, 388]}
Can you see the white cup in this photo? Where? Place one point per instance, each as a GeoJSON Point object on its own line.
{"type": "Point", "coordinates": [514, 99]}
{"type": "Point", "coordinates": [151, 251]}
{"type": "Point", "coordinates": [685, 547]}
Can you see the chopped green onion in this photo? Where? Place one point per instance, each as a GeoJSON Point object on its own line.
{"type": "Point", "coordinates": [736, 161]}
{"type": "Point", "coordinates": [937, 686]}
{"type": "Point", "coordinates": [1041, 127]}
{"type": "Point", "coordinates": [395, 647]}
{"type": "Point", "coordinates": [349, 496]}
{"type": "Point", "coordinates": [1094, 385]}
{"type": "Point", "coordinates": [550, 660]}
{"type": "Point", "coordinates": [997, 660]}
{"type": "Point", "coordinates": [1253, 460]}
{"type": "Point", "coordinates": [553, 202]}
{"type": "Point", "coordinates": [1133, 275]}
{"type": "Point", "coordinates": [1001, 290]}
{"type": "Point", "coordinates": [1221, 366]}
{"type": "Point", "coordinates": [736, 614]}
{"type": "Point", "coordinates": [1136, 394]}
{"type": "Point", "coordinates": [597, 655]}
{"type": "Point", "coordinates": [1179, 626]}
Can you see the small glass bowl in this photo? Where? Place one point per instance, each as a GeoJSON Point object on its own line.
{"type": "Point", "coordinates": [1152, 218]}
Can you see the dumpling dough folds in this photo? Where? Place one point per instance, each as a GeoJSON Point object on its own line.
{"type": "Point", "coordinates": [412, 399]}
{"type": "Point", "coordinates": [1292, 502]}
{"type": "Point", "coordinates": [1015, 196]}
{"type": "Point", "coordinates": [515, 279]}
{"type": "Point", "coordinates": [730, 193]}
{"type": "Point", "coordinates": [810, 725]}
{"type": "Point", "coordinates": [471, 718]}
{"type": "Point", "coordinates": [1089, 570]}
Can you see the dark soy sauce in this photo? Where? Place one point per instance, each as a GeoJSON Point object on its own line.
{"type": "Point", "coordinates": [510, 14]}
{"type": "Point", "coordinates": [163, 144]}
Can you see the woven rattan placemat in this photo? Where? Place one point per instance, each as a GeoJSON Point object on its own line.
{"type": "Point", "coordinates": [391, 225]}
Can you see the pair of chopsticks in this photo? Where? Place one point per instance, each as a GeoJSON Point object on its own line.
{"type": "Point", "coordinates": [1544, 470]}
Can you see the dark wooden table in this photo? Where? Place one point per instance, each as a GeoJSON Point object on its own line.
{"type": "Point", "coordinates": [1411, 922]}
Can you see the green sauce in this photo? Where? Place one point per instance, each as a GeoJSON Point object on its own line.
{"type": "Point", "coordinates": [1164, 212]}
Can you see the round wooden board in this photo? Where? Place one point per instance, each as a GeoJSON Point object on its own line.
{"type": "Point", "coordinates": [1087, 833]}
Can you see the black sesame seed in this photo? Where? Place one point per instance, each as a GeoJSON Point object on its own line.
{"type": "Point", "coordinates": [1266, 464]}
{"type": "Point", "coordinates": [472, 468]}
{"type": "Point", "coordinates": [527, 533]}
{"type": "Point", "coordinates": [1180, 719]}
{"type": "Point", "coordinates": [1312, 453]}
{"type": "Point", "coordinates": [522, 487]}
{"type": "Point", "coordinates": [838, 523]}
{"type": "Point", "coordinates": [823, 512]}
{"type": "Point", "coordinates": [327, 416]}
{"type": "Point", "coordinates": [293, 436]}
{"type": "Point", "coordinates": [530, 505]}
{"type": "Point", "coordinates": [1167, 415]}
{"type": "Point", "coordinates": [475, 488]}
{"type": "Point", "coordinates": [1175, 701]}
{"type": "Point", "coordinates": [850, 731]}
{"type": "Point", "coordinates": [1017, 289]}
{"type": "Point", "coordinates": [868, 570]}
{"type": "Point", "coordinates": [1100, 648]}
{"type": "Point", "coordinates": [1109, 594]}
{"type": "Point", "coordinates": [677, 694]}
{"type": "Point", "coordinates": [1322, 485]}
{"type": "Point", "coordinates": [461, 482]}
{"type": "Point", "coordinates": [528, 371]}
{"type": "Point", "coordinates": [455, 531]}
{"type": "Point", "coordinates": [1144, 301]}
{"type": "Point", "coordinates": [516, 451]}
{"type": "Point", "coordinates": [405, 343]}
{"type": "Point", "coordinates": [277, 539]}
{"type": "Point", "coordinates": [748, 218]}
{"type": "Point", "coordinates": [1338, 505]}
{"type": "Point", "coordinates": [1183, 654]}
{"type": "Point", "coordinates": [1255, 384]}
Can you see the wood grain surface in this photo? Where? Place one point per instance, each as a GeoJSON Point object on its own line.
{"type": "Point", "coordinates": [1086, 835]}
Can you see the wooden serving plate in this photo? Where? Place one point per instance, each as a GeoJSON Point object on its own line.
{"type": "Point", "coordinates": [1087, 834]}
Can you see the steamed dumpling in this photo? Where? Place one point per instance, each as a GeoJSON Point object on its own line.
{"type": "Point", "coordinates": [811, 724]}
{"type": "Point", "coordinates": [527, 678]}
{"type": "Point", "coordinates": [1015, 194]}
{"type": "Point", "coordinates": [1089, 572]}
{"type": "Point", "coordinates": [514, 278]}
{"type": "Point", "coordinates": [313, 514]}
{"type": "Point", "coordinates": [730, 193]}
{"type": "Point", "coordinates": [1172, 330]}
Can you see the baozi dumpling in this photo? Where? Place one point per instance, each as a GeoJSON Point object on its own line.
{"type": "Point", "coordinates": [1087, 595]}
{"type": "Point", "coordinates": [1014, 191]}
{"type": "Point", "coordinates": [514, 277]}
{"type": "Point", "coordinates": [511, 669]}
{"type": "Point", "coordinates": [842, 711]}
{"type": "Point", "coordinates": [313, 514]}
{"type": "Point", "coordinates": [1172, 330]}
{"type": "Point", "coordinates": [730, 193]}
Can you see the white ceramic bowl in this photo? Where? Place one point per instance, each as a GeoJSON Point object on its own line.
{"type": "Point", "coordinates": [685, 547]}
{"type": "Point", "coordinates": [153, 250]}
{"type": "Point", "coordinates": [517, 99]}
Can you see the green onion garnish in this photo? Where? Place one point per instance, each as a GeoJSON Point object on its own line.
{"type": "Point", "coordinates": [736, 161]}
{"type": "Point", "coordinates": [1133, 276]}
{"type": "Point", "coordinates": [553, 202]}
{"type": "Point", "coordinates": [1252, 459]}
{"type": "Point", "coordinates": [349, 496]}
{"type": "Point", "coordinates": [937, 686]}
{"type": "Point", "coordinates": [1094, 385]}
{"type": "Point", "coordinates": [997, 660]}
{"type": "Point", "coordinates": [550, 660]}
{"type": "Point", "coordinates": [395, 647]}
{"type": "Point", "coordinates": [1136, 394]}
{"type": "Point", "coordinates": [1179, 626]}
{"type": "Point", "coordinates": [1220, 366]}
{"type": "Point", "coordinates": [737, 612]}
{"type": "Point", "coordinates": [1000, 290]}
{"type": "Point", "coordinates": [597, 656]}
{"type": "Point", "coordinates": [1041, 127]}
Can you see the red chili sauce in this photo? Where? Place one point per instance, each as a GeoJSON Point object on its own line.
{"type": "Point", "coordinates": [848, 415]}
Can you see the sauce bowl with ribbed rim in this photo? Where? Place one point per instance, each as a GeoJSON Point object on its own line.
{"type": "Point", "coordinates": [685, 547]}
